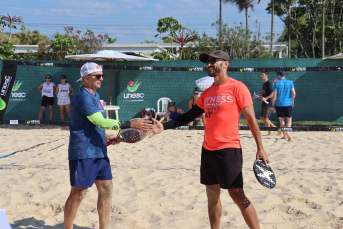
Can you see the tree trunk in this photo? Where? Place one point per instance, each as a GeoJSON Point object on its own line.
{"type": "Point", "coordinates": [10, 30]}
{"type": "Point", "coordinates": [247, 29]}
{"type": "Point", "coordinates": [272, 32]}
{"type": "Point", "coordinates": [289, 28]}
{"type": "Point", "coordinates": [323, 24]}
{"type": "Point", "coordinates": [220, 26]}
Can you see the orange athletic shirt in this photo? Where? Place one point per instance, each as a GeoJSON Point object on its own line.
{"type": "Point", "coordinates": [222, 106]}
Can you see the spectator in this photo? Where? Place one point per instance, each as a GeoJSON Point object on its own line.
{"type": "Point", "coordinates": [47, 89]}
{"type": "Point", "coordinates": [284, 95]}
{"type": "Point", "coordinates": [192, 102]}
{"type": "Point", "coordinates": [173, 112]}
{"type": "Point", "coordinates": [63, 96]}
{"type": "Point", "coordinates": [267, 93]}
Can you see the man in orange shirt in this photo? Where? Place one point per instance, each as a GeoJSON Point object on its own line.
{"type": "Point", "coordinates": [221, 158]}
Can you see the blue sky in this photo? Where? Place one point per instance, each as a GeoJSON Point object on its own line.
{"type": "Point", "coordinates": [131, 21]}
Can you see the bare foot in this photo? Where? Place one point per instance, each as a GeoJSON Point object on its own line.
{"type": "Point", "coordinates": [289, 137]}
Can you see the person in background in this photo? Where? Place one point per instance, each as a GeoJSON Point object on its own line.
{"type": "Point", "coordinates": [192, 102]}
{"type": "Point", "coordinates": [173, 112]}
{"type": "Point", "coordinates": [284, 95]}
{"type": "Point", "coordinates": [47, 89]}
{"type": "Point", "coordinates": [63, 96]}
{"type": "Point", "coordinates": [267, 93]}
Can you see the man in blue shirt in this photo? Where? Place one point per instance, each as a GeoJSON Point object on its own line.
{"type": "Point", "coordinates": [284, 95]}
{"type": "Point", "coordinates": [87, 152]}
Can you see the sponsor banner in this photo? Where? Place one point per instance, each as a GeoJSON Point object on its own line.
{"type": "Point", "coordinates": [133, 96]}
{"type": "Point", "coordinates": [8, 73]}
{"type": "Point", "coordinates": [13, 121]}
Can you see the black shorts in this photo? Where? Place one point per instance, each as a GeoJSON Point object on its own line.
{"type": "Point", "coordinates": [47, 101]}
{"type": "Point", "coordinates": [266, 111]}
{"type": "Point", "coordinates": [284, 111]}
{"type": "Point", "coordinates": [223, 167]}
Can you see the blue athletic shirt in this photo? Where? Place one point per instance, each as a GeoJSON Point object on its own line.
{"type": "Point", "coordinates": [284, 93]}
{"type": "Point", "coordinates": [86, 139]}
{"type": "Point", "coordinates": [174, 115]}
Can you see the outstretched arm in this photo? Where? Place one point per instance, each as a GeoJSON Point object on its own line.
{"type": "Point", "coordinates": [179, 121]}
{"type": "Point", "coordinates": [111, 124]}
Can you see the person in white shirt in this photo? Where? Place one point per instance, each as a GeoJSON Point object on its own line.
{"type": "Point", "coordinates": [63, 96]}
{"type": "Point", "coordinates": [47, 89]}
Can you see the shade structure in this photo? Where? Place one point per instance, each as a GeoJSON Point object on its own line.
{"type": "Point", "coordinates": [111, 56]}
{"type": "Point", "coordinates": [204, 83]}
{"type": "Point", "coordinates": [338, 56]}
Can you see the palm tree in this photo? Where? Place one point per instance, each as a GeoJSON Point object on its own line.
{"type": "Point", "coordinates": [12, 20]}
{"type": "Point", "coordinates": [272, 27]}
{"type": "Point", "coordinates": [244, 5]}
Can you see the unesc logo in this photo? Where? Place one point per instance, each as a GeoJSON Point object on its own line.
{"type": "Point", "coordinates": [132, 86]}
{"type": "Point", "coordinates": [15, 95]}
{"type": "Point", "coordinates": [134, 97]}
{"type": "Point", "coordinates": [16, 85]}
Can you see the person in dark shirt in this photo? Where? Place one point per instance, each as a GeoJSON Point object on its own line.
{"type": "Point", "coordinates": [173, 112]}
{"type": "Point", "coordinates": [267, 93]}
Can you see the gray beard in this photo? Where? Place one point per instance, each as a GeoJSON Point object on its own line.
{"type": "Point", "coordinates": [218, 69]}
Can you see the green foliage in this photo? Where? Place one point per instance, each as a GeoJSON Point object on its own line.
{"type": "Point", "coordinates": [6, 49]}
{"type": "Point", "coordinates": [150, 42]}
{"type": "Point", "coordinates": [306, 26]}
{"type": "Point", "coordinates": [167, 25]}
{"type": "Point", "coordinates": [164, 55]}
{"type": "Point", "coordinates": [234, 43]}
{"type": "Point", "coordinates": [73, 42]}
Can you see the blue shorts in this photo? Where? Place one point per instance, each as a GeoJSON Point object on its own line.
{"type": "Point", "coordinates": [284, 111]}
{"type": "Point", "coordinates": [84, 172]}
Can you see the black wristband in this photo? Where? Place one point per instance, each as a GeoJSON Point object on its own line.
{"type": "Point", "coordinates": [125, 124]}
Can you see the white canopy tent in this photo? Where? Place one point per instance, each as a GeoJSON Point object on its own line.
{"type": "Point", "coordinates": [338, 56]}
{"type": "Point", "coordinates": [111, 56]}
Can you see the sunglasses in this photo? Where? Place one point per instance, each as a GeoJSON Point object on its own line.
{"type": "Point", "coordinates": [99, 76]}
{"type": "Point", "coordinates": [47, 77]}
{"type": "Point", "coordinates": [213, 60]}
{"type": "Point", "coordinates": [63, 78]}
{"type": "Point", "coordinates": [195, 93]}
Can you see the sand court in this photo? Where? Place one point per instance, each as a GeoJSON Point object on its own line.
{"type": "Point", "coordinates": [157, 181]}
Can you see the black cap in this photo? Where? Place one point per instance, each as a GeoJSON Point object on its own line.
{"type": "Point", "coordinates": [171, 104]}
{"type": "Point", "coordinates": [216, 54]}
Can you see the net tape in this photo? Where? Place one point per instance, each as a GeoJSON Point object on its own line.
{"type": "Point", "coordinates": [262, 128]}
{"type": "Point", "coordinates": [198, 69]}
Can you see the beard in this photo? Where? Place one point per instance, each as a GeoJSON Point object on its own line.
{"type": "Point", "coordinates": [216, 70]}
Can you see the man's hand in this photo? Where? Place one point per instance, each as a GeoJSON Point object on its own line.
{"type": "Point", "coordinates": [157, 128]}
{"type": "Point", "coordinates": [141, 124]}
{"type": "Point", "coordinates": [112, 137]}
{"type": "Point", "coordinates": [263, 99]}
{"type": "Point", "coordinates": [262, 154]}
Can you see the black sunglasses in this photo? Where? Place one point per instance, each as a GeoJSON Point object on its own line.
{"type": "Point", "coordinates": [195, 93]}
{"type": "Point", "coordinates": [47, 77]}
{"type": "Point", "coordinates": [63, 78]}
{"type": "Point", "coordinates": [213, 60]}
{"type": "Point", "coordinates": [99, 76]}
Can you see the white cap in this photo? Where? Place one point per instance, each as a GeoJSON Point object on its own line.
{"type": "Point", "coordinates": [89, 68]}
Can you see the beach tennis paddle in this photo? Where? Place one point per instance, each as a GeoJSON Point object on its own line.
{"type": "Point", "coordinates": [264, 175]}
{"type": "Point", "coordinates": [130, 136]}
{"type": "Point", "coordinates": [257, 96]}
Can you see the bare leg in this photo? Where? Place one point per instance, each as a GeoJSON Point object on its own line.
{"type": "Point", "coordinates": [51, 109]}
{"type": "Point", "coordinates": [246, 207]}
{"type": "Point", "coordinates": [190, 124]}
{"type": "Point", "coordinates": [62, 112]}
{"type": "Point", "coordinates": [289, 124]}
{"type": "Point", "coordinates": [282, 124]}
{"type": "Point", "coordinates": [214, 205]}
{"type": "Point", "coordinates": [41, 112]}
{"type": "Point", "coordinates": [72, 204]}
{"type": "Point", "coordinates": [68, 110]}
{"type": "Point", "coordinates": [266, 123]}
{"type": "Point", "coordinates": [105, 188]}
{"type": "Point", "coordinates": [203, 119]}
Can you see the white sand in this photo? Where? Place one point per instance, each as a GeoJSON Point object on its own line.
{"type": "Point", "coordinates": [156, 181]}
